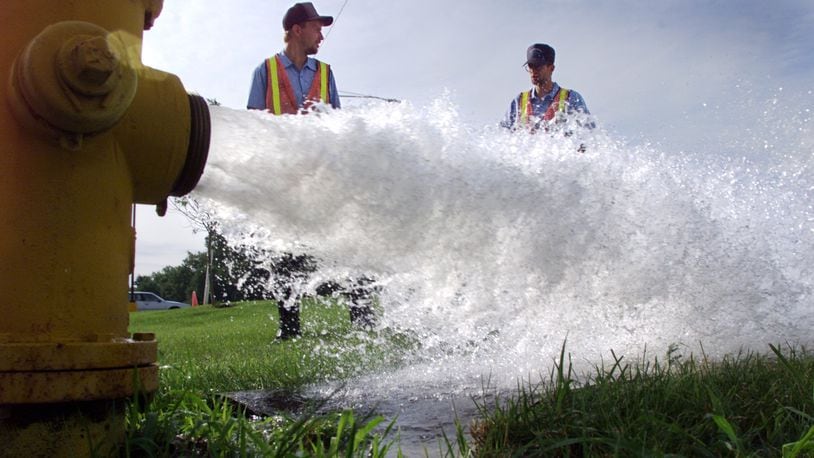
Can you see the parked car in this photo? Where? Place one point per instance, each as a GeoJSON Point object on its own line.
{"type": "Point", "coordinates": [152, 301]}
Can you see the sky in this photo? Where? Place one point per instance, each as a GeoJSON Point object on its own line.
{"type": "Point", "coordinates": [690, 76]}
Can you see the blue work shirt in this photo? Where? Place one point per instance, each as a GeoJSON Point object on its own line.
{"type": "Point", "coordinates": [539, 105]}
{"type": "Point", "coordinates": [300, 82]}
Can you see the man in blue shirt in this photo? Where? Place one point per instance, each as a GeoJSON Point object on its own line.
{"type": "Point", "coordinates": [546, 104]}
{"type": "Point", "coordinates": [291, 81]}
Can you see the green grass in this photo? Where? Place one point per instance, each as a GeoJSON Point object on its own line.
{"type": "Point", "coordinates": [214, 350]}
{"type": "Point", "coordinates": [744, 405]}
{"type": "Point", "coordinates": [207, 351]}
{"type": "Point", "coordinates": [189, 425]}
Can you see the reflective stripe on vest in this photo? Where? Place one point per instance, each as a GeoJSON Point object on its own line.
{"type": "Point", "coordinates": [280, 95]}
{"type": "Point", "coordinates": [559, 104]}
{"type": "Point", "coordinates": [526, 110]}
{"type": "Point", "coordinates": [322, 71]}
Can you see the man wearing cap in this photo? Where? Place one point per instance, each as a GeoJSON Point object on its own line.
{"type": "Point", "coordinates": [546, 102]}
{"type": "Point", "coordinates": [290, 81]}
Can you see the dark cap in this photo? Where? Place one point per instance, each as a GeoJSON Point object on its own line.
{"type": "Point", "coordinates": [303, 12]}
{"type": "Point", "coordinates": [539, 54]}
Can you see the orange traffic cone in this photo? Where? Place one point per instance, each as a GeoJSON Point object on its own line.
{"type": "Point", "coordinates": [194, 299]}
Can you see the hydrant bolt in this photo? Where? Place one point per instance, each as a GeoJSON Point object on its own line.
{"type": "Point", "coordinates": [94, 60]}
{"type": "Point", "coordinates": [88, 65]}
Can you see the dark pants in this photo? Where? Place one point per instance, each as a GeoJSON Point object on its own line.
{"type": "Point", "coordinates": [360, 315]}
{"type": "Point", "coordinates": [361, 312]}
{"type": "Point", "coordinates": [289, 321]}
{"type": "Point", "coordinates": [358, 294]}
{"type": "Point", "coordinates": [290, 272]}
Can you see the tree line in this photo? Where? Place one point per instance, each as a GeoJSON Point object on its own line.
{"type": "Point", "coordinates": [236, 274]}
{"type": "Point", "coordinates": [241, 273]}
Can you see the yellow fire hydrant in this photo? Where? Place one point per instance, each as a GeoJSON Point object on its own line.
{"type": "Point", "coordinates": [85, 131]}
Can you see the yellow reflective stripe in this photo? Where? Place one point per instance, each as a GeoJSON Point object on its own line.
{"type": "Point", "coordinates": [323, 82]}
{"type": "Point", "coordinates": [522, 109]}
{"type": "Point", "coordinates": [563, 99]}
{"type": "Point", "coordinates": [275, 86]}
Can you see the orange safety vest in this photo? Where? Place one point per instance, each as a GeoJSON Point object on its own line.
{"type": "Point", "coordinates": [525, 110]}
{"type": "Point", "coordinates": [280, 95]}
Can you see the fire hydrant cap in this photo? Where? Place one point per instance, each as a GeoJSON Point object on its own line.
{"type": "Point", "coordinates": [92, 85]}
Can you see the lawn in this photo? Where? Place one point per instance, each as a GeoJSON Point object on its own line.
{"type": "Point", "coordinates": [208, 349]}
{"type": "Point", "coordinates": [747, 404]}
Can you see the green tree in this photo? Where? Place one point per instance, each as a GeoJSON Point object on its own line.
{"type": "Point", "coordinates": [201, 219]}
{"type": "Point", "coordinates": [176, 282]}
{"type": "Point", "coordinates": [236, 273]}
{"type": "Point", "coordinates": [239, 273]}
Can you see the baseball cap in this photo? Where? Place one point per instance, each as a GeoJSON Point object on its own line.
{"type": "Point", "coordinates": [539, 54]}
{"type": "Point", "coordinates": [303, 12]}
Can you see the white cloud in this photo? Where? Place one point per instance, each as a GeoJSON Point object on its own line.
{"type": "Point", "coordinates": [163, 241]}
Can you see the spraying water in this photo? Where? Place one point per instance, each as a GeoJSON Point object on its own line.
{"type": "Point", "coordinates": [494, 248]}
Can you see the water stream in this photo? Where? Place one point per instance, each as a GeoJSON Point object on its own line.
{"type": "Point", "coordinates": [493, 249]}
